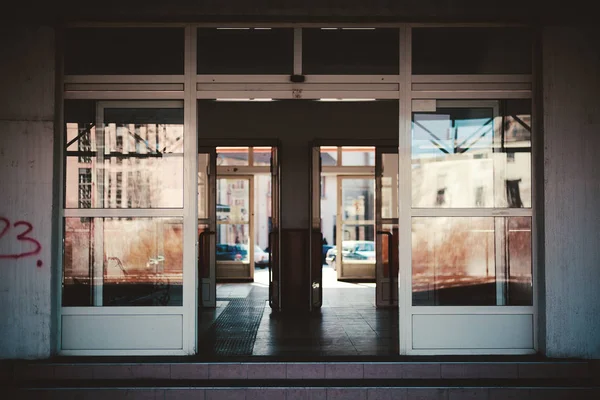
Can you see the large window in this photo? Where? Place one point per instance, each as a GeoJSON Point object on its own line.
{"type": "Point", "coordinates": [470, 158]}
{"type": "Point", "coordinates": [120, 157]}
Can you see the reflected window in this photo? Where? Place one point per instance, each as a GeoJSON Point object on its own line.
{"type": "Point", "coordinates": [245, 51]}
{"type": "Point", "coordinates": [472, 154]}
{"type": "Point", "coordinates": [132, 157]}
{"type": "Point", "coordinates": [122, 262]}
{"type": "Point", "coordinates": [455, 261]}
{"type": "Point", "coordinates": [438, 51]}
{"type": "Point", "coordinates": [124, 51]}
{"type": "Point", "coordinates": [335, 51]}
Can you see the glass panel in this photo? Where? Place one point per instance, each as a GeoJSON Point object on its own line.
{"type": "Point", "coordinates": [329, 156]}
{"type": "Point", "coordinates": [232, 242]}
{"type": "Point", "coordinates": [203, 185]}
{"type": "Point", "coordinates": [350, 51]}
{"type": "Point", "coordinates": [358, 156]}
{"type": "Point", "coordinates": [358, 200]}
{"type": "Point", "coordinates": [203, 251]}
{"type": "Point", "coordinates": [262, 156]}
{"type": "Point", "coordinates": [472, 154]}
{"type": "Point", "coordinates": [454, 261]}
{"type": "Point", "coordinates": [232, 155]}
{"type": "Point", "coordinates": [440, 51]}
{"type": "Point", "coordinates": [389, 251]}
{"type": "Point", "coordinates": [245, 51]}
{"type": "Point", "coordinates": [135, 160]}
{"type": "Point", "coordinates": [124, 51]}
{"type": "Point", "coordinates": [262, 214]}
{"type": "Point", "coordinates": [519, 271]}
{"type": "Point", "coordinates": [233, 200]}
{"type": "Point", "coordinates": [389, 185]}
{"type": "Point", "coordinates": [361, 251]}
{"type": "Point", "coordinates": [123, 262]}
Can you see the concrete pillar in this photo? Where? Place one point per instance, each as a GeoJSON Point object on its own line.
{"type": "Point", "coordinates": [571, 116]}
{"type": "Point", "coordinates": [27, 79]}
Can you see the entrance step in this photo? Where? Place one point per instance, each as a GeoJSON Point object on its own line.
{"type": "Point", "coordinates": [302, 380]}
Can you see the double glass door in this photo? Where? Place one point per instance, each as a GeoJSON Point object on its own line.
{"type": "Point", "coordinates": [226, 244]}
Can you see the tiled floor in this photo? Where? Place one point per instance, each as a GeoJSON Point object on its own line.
{"type": "Point", "coordinates": [348, 323]}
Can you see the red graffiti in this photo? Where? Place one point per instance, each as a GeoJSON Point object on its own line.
{"type": "Point", "coordinates": [21, 237]}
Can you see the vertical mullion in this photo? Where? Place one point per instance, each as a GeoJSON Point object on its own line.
{"type": "Point", "coordinates": [404, 193]}
{"type": "Point", "coordinates": [297, 51]}
{"type": "Point", "coordinates": [500, 254]}
{"type": "Point", "coordinates": [190, 204]}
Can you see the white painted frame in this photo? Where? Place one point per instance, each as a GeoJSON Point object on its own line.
{"type": "Point", "coordinates": [404, 86]}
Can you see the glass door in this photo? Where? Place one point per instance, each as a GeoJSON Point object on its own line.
{"type": "Point", "coordinates": [207, 226]}
{"type": "Point", "coordinates": [316, 235]}
{"type": "Point", "coordinates": [234, 242]}
{"type": "Point", "coordinates": [275, 234]}
{"type": "Point", "coordinates": [355, 258]}
{"type": "Point", "coordinates": [386, 171]}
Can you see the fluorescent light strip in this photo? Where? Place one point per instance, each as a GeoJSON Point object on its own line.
{"type": "Point", "coordinates": [232, 99]}
{"type": "Point", "coordinates": [327, 99]}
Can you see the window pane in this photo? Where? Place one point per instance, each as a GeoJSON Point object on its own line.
{"type": "Point", "coordinates": [358, 156]}
{"type": "Point", "coordinates": [262, 156]}
{"type": "Point", "coordinates": [123, 262]}
{"type": "Point", "coordinates": [232, 243]}
{"type": "Point", "coordinates": [245, 51]}
{"type": "Point", "coordinates": [124, 51]}
{"type": "Point", "coordinates": [472, 154]}
{"type": "Point", "coordinates": [350, 51]}
{"type": "Point", "coordinates": [455, 261]}
{"type": "Point", "coordinates": [438, 51]}
{"type": "Point", "coordinates": [232, 155]}
{"type": "Point", "coordinates": [133, 160]}
{"type": "Point", "coordinates": [329, 156]}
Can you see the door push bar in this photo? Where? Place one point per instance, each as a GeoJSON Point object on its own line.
{"type": "Point", "coordinates": [390, 236]}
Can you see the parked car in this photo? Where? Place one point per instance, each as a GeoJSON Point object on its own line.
{"type": "Point", "coordinates": [261, 257]}
{"type": "Point", "coordinates": [239, 252]}
{"type": "Point", "coordinates": [325, 249]}
{"type": "Point", "coordinates": [352, 250]}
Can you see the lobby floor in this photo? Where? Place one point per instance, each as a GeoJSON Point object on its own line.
{"type": "Point", "coordinates": [348, 323]}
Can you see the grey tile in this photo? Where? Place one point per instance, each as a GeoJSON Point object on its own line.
{"type": "Point", "coordinates": [305, 371]}
{"type": "Point", "coordinates": [346, 394]}
{"type": "Point", "coordinates": [483, 370]}
{"type": "Point", "coordinates": [560, 394]}
{"type": "Point", "coordinates": [112, 371]}
{"type": "Point", "coordinates": [70, 371]}
{"type": "Point", "coordinates": [467, 394]}
{"type": "Point", "coordinates": [189, 371]}
{"type": "Point", "coordinates": [184, 394]}
{"type": "Point", "coordinates": [382, 371]}
{"type": "Point", "coordinates": [344, 371]}
{"type": "Point", "coordinates": [553, 370]}
{"type": "Point", "coordinates": [267, 371]}
{"type": "Point", "coordinates": [421, 371]}
{"type": "Point", "coordinates": [151, 371]}
{"type": "Point", "coordinates": [265, 394]}
{"type": "Point", "coordinates": [27, 371]}
{"type": "Point", "coordinates": [426, 394]}
{"type": "Point", "coordinates": [386, 394]}
{"type": "Point", "coordinates": [306, 394]}
{"type": "Point", "coordinates": [225, 394]}
{"type": "Point", "coordinates": [227, 371]}
{"type": "Point", "coordinates": [508, 394]}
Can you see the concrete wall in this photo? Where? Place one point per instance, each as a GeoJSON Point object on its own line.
{"type": "Point", "coordinates": [27, 77]}
{"type": "Point", "coordinates": [571, 61]}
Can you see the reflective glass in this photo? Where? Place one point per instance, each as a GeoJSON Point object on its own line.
{"type": "Point", "coordinates": [329, 156]}
{"type": "Point", "coordinates": [232, 156]}
{"type": "Point", "coordinates": [262, 156]}
{"type": "Point", "coordinates": [124, 51]}
{"type": "Point", "coordinates": [245, 51]}
{"type": "Point", "coordinates": [122, 262]}
{"type": "Point", "coordinates": [350, 51]}
{"type": "Point", "coordinates": [453, 51]}
{"type": "Point", "coordinates": [472, 154]}
{"type": "Point", "coordinates": [133, 160]}
{"type": "Point", "coordinates": [358, 156]}
{"type": "Point", "coordinates": [455, 261]}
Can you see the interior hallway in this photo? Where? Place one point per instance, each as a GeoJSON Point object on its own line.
{"type": "Point", "coordinates": [348, 324]}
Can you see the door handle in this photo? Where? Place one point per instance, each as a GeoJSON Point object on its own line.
{"type": "Point", "coordinates": [201, 256]}
{"type": "Point", "coordinates": [390, 236]}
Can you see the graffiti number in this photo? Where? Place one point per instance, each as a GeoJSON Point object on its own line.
{"type": "Point", "coordinates": [21, 237]}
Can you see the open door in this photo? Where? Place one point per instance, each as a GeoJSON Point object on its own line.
{"type": "Point", "coordinates": [386, 221]}
{"type": "Point", "coordinates": [316, 235]}
{"type": "Point", "coordinates": [275, 233]}
{"type": "Point", "coordinates": [207, 221]}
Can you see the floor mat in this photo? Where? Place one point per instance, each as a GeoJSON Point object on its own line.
{"type": "Point", "coordinates": [234, 331]}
